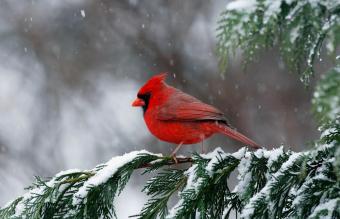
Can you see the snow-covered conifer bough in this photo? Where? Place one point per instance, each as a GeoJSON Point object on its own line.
{"type": "Point", "coordinates": [265, 178]}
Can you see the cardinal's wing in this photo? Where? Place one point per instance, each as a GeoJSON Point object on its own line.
{"type": "Point", "coordinates": [183, 107]}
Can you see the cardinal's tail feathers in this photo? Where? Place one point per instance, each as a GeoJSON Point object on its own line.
{"type": "Point", "coordinates": [224, 129]}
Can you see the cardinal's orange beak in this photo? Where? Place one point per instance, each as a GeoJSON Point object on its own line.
{"type": "Point", "coordinates": [138, 102]}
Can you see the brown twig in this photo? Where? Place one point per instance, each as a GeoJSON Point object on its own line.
{"type": "Point", "coordinates": [171, 161]}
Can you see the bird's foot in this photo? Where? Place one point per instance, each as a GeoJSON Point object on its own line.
{"type": "Point", "coordinates": [203, 151]}
{"type": "Point", "coordinates": [173, 156]}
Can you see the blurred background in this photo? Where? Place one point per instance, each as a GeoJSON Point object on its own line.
{"type": "Point", "coordinates": [69, 71]}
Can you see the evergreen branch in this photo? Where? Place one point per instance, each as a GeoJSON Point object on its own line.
{"type": "Point", "coordinates": [290, 183]}
{"type": "Point", "coordinates": [328, 209]}
{"type": "Point", "coordinates": [9, 210]}
{"type": "Point", "coordinates": [161, 188]}
{"type": "Point", "coordinates": [298, 28]}
{"type": "Point", "coordinates": [326, 101]}
{"type": "Point", "coordinates": [83, 194]}
{"type": "Point", "coordinates": [206, 191]}
{"type": "Point", "coordinates": [165, 161]}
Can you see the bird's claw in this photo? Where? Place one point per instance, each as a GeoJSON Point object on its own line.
{"type": "Point", "coordinates": [173, 156]}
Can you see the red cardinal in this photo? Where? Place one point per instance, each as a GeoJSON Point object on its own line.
{"type": "Point", "coordinates": [174, 116]}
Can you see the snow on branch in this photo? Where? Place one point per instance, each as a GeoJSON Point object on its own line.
{"type": "Point", "coordinates": [103, 173]}
{"type": "Point", "coordinates": [271, 182]}
{"type": "Point", "coordinates": [298, 27]}
{"type": "Point", "coordinates": [83, 194]}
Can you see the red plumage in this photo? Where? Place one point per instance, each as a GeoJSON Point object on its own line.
{"type": "Point", "coordinates": [174, 116]}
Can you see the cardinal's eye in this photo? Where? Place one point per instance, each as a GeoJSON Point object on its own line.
{"type": "Point", "coordinates": [144, 97]}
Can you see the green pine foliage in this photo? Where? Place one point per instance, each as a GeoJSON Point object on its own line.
{"type": "Point", "coordinates": [276, 183]}
{"type": "Point", "coordinates": [170, 180]}
{"type": "Point", "coordinates": [78, 194]}
{"type": "Point", "coordinates": [272, 184]}
{"type": "Point", "coordinates": [326, 99]}
{"type": "Point", "coordinates": [298, 27]}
